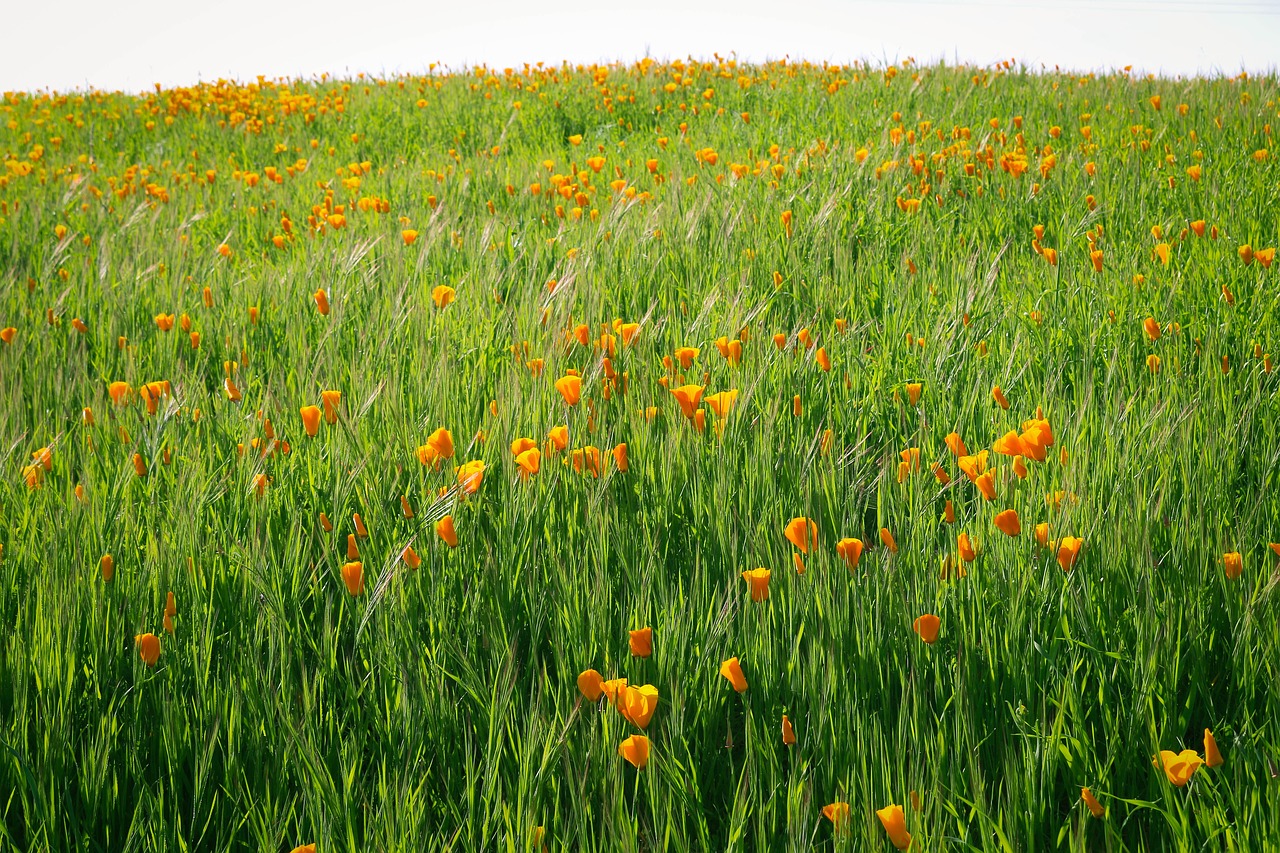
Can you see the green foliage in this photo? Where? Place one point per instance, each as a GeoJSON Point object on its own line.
{"type": "Point", "coordinates": [440, 710]}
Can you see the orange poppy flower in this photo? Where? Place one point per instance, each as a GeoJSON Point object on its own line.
{"type": "Point", "coordinates": [1152, 328]}
{"type": "Point", "coordinates": [1020, 467]}
{"type": "Point", "coordinates": [688, 396]}
{"type": "Point", "coordinates": [360, 528]}
{"type": "Point", "coordinates": [722, 402]}
{"type": "Point", "coordinates": [43, 458]}
{"type": "Point", "coordinates": [1042, 534]}
{"type": "Point", "coordinates": [148, 647]}
{"type": "Point", "coordinates": [410, 557]}
{"type": "Point", "coordinates": [310, 420]}
{"type": "Point", "coordinates": [641, 641]}
{"type": "Point", "coordinates": [353, 577]}
{"type": "Point", "coordinates": [758, 583]}
{"type": "Point", "coordinates": [635, 750]}
{"type": "Point", "coordinates": [964, 545]}
{"type": "Point", "coordinates": [1212, 757]}
{"type": "Point", "coordinates": [731, 350]}
{"type": "Point", "coordinates": [1069, 552]}
{"type": "Point", "coordinates": [1179, 767]}
{"type": "Point", "coordinates": [686, 356]}
{"type": "Point", "coordinates": [570, 388]}
{"type": "Point", "coordinates": [973, 466]}
{"type": "Point", "coordinates": [637, 704]}
{"type": "Point", "coordinates": [913, 392]}
{"type": "Point", "coordinates": [824, 360]}
{"type": "Point", "coordinates": [612, 688]}
{"type": "Point", "coordinates": [620, 458]}
{"type": "Point", "coordinates": [557, 438]}
{"type": "Point", "coordinates": [139, 465]}
{"type": "Point", "coordinates": [471, 476]}
{"type": "Point", "coordinates": [439, 446]}
{"type": "Point", "coordinates": [442, 295]}
{"type": "Point", "coordinates": [590, 685]}
{"type": "Point", "coordinates": [331, 400]}
{"type": "Point", "coordinates": [887, 539]}
{"type": "Point", "coordinates": [796, 531]}
{"type": "Point", "coordinates": [1036, 437]}
{"type": "Point", "coordinates": [998, 396]}
{"type": "Point", "coordinates": [850, 550]}
{"type": "Point", "coordinates": [838, 814]}
{"type": "Point", "coordinates": [732, 670]}
{"type": "Point", "coordinates": [956, 445]}
{"type": "Point", "coordinates": [587, 459]}
{"type": "Point", "coordinates": [1011, 444]}
{"type": "Point", "coordinates": [788, 733]}
{"type": "Point", "coordinates": [529, 461]}
{"type": "Point", "coordinates": [108, 564]}
{"type": "Point", "coordinates": [120, 392]}
{"type": "Point", "coordinates": [1007, 522]}
{"type": "Point", "coordinates": [927, 627]}
{"type": "Point", "coordinates": [7, 334]}
{"type": "Point", "coordinates": [1095, 807]}
{"type": "Point", "coordinates": [322, 300]}
{"type": "Point", "coordinates": [446, 531]}
{"type": "Point", "coordinates": [987, 485]}
{"type": "Point", "coordinates": [353, 547]}
{"type": "Point", "coordinates": [894, 822]}
{"type": "Point", "coordinates": [1233, 564]}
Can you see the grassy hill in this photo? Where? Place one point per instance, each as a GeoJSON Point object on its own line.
{"type": "Point", "coordinates": [585, 344]}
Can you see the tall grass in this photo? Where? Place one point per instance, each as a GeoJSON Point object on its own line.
{"type": "Point", "coordinates": [439, 710]}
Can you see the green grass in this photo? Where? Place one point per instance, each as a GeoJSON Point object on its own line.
{"type": "Point", "coordinates": [440, 710]}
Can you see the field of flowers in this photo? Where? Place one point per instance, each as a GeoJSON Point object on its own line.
{"type": "Point", "coordinates": [684, 455]}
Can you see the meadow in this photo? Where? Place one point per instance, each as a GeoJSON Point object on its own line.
{"type": "Point", "coordinates": [682, 455]}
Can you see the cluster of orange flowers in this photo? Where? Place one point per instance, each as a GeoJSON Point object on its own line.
{"type": "Point", "coordinates": [937, 166]}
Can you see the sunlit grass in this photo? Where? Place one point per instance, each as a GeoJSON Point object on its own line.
{"type": "Point", "coordinates": [911, 231]}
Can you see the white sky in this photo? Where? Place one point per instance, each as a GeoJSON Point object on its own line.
{"type": "Point", "coordinates": [131, 44]}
